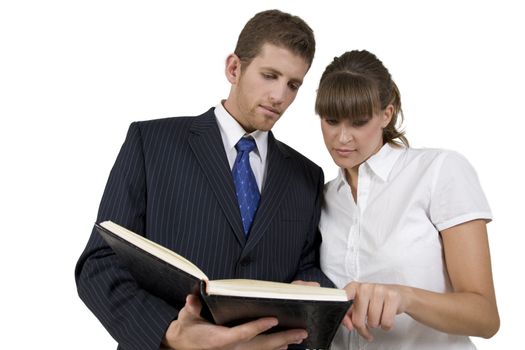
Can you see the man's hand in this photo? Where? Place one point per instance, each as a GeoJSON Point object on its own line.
{"type": "Point", "coordinates": [306, 283]}
{"type": "Point", "coordinates": [191, 331]}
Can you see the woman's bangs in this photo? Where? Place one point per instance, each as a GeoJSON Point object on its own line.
{"type": "Point", "coordinates": [347, 96]}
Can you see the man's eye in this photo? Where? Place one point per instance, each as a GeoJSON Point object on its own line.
{"type": "Point", "coordinates": [268, 76]}
{"type": "Point", "coordinates": [294, 87]}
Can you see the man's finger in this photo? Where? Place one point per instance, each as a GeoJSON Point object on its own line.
{"type": "Point", "coordinates": [279, 340]}
{"type": "Point", "coordinates": [306, 283]}
{"type": "Point", "coordinates": [250, 330]}
{"type": "Point", "coordinates": [193, 305]}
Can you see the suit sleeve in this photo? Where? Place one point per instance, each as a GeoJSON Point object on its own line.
{"type": "Point", "coordinates": [309, 267]}
{"type": "Point", "coordinates": [133, 317]}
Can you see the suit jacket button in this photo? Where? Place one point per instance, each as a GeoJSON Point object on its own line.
{"type": "Point", "coordinates": [246, 261]}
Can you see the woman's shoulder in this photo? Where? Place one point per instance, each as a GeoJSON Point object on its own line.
{"type": "Point", "coordinates": [434, 156]}
{"type": "Point", "coordinates": [439, 163]}
{"type": "Point", "coordinates": [425, 152]}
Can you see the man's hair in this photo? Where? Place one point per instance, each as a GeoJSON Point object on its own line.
{"type": "Point", "coordinates": [277, 28]}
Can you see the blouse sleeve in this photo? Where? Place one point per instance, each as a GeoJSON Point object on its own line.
{"type": "Point", "coordinates": [457, 196]}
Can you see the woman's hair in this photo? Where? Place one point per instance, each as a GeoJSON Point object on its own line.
{"type": "Point", "coordinates": [355, 86]}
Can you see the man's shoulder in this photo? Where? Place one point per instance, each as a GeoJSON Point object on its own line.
{"type": "Point", "coordinates": [297, 156]}
{"type": "Point", "coordinates": [170, 122]}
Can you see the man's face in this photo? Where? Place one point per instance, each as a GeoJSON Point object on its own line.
{"type": "Point", "coordinates": [263, 90]}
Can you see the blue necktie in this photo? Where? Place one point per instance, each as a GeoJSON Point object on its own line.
{"type": "Point", "coordinates": [245, 184]}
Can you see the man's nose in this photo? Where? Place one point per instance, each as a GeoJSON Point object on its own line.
{"type": "Point", "coordinates": [278, 93]}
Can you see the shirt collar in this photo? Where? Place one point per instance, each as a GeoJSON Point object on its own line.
{"type": "Point", "coordinates": [380, 164]}
{"type": "Point", "coordinates": [383, 161]}
{"type": "Point", "coordinates": [340, 181]}
{"type": "Point", "coordinates": [234, 131]}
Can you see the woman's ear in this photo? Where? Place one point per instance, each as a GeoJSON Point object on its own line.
{"type": "Point", "coordinates": [388, 112]}
{"type": "Point", "coordinates": [233, 68]}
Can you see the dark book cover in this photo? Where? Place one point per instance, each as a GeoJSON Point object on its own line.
{"type": "Point", "coordinates": [152, 273]}
{"type": "Point", "coordinates": [319, 318]}
{"type": "Point", "coordinates": [172, 284]}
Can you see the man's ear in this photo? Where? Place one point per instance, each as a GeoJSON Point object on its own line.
{"type": "Point", "coordinates": [233, 68]}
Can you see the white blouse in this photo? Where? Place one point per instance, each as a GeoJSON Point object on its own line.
{"type": "Point", "coordinates": [405, 197]}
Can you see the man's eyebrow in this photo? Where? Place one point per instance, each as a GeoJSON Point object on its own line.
{"type": "Point", "coordinates": [278, 73]}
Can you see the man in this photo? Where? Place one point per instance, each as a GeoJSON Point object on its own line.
{"type": "Point", "coordinates": [188, 184]}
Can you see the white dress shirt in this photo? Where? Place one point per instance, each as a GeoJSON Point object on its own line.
{"type": "Point", "coordinates": [405, 197]}
{"type": "Point", "coordinates": [232, 132]}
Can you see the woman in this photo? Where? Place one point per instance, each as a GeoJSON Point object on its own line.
{"type": "Point", "coordinates": [404, 230]}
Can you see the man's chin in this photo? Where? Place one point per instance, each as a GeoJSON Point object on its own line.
{"type": "Point", "coordinates": [268, 123]}
{"type": "Point", "coordinates": [266, 126]}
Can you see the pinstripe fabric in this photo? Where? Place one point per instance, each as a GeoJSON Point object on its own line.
{"type": "Point", "coordinates": [171, 182]}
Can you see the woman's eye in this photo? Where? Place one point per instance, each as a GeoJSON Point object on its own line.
{"type": "Point", "coordinates": [330, 121]}
{"type": "Point", "coordinates": [358, 123]}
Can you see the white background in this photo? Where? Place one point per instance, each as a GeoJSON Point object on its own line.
{"type": "Point", "coordinates": [74, 74]}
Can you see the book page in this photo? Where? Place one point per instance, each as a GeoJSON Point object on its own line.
{"type": "Point", "coordinates": [155, 249]}
{"type": "Point", "coordinates": [274, 290]}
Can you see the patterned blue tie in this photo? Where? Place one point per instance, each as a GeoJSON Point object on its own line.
{"type": "Point", "coordinates": [245, 184]}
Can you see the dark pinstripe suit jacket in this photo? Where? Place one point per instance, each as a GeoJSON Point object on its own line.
{"type": "Point", "coordinates": [172, 182]}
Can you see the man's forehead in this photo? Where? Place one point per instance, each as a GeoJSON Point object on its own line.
{"type": "Point", "coordinates": [281, 61]}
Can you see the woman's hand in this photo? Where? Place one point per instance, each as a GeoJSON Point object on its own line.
{"type": "Point", "coordinates": [374, 306]}
{"type": "Point", "coordinates": [469, 309]}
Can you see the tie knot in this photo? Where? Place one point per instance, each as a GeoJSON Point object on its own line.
{"type": "Point", "coordinates": [245, 144]}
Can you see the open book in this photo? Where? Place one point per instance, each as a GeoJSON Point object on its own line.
{"type": "Point", "coordinates": [171, 277]}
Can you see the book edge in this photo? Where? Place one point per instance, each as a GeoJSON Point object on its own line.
{"type": "Point", "coordinates": [151, 247]}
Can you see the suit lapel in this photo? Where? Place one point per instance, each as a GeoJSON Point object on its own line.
{"type": "Point", "coordinates": [277, 179]}
{"type": "Point", "coordinates": [206, 142]}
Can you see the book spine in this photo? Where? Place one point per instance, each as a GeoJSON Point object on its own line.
{"type": "Point", "coordinates": [205, 311]}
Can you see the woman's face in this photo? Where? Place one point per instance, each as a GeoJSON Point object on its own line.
{"type": "Point", "coordinates": [351, 144]}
